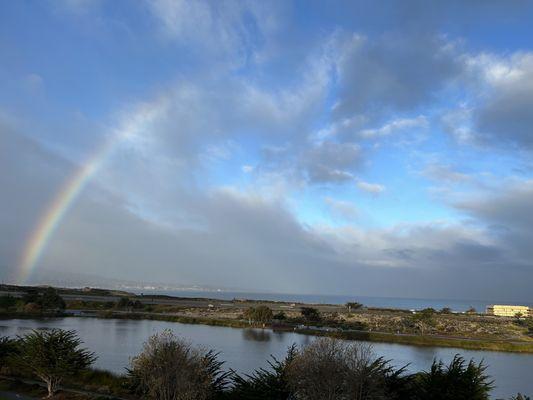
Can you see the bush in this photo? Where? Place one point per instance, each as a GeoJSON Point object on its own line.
{"type": "Point", "coordinates": [127, 303]}
{"type": "Point", "coordinates": [353, 305]}
{"type": "Point", "coordinates": [280, 316]}
{"type": "Point", "coordinates": [51, 300]}
{"type": "Point", "coordinates": [7, 302]}
{"type": "Point", "coordinates": [330, 369]}
{"type": "Point", "coordinates": [169, 368]}
{"type": "Point", "coordinates": [459, 381]}
{"type": "Point", "coordinates": [8, 348]}
{"type": "Point", "coordinates": [123, 303]}
{"type": "Point", "coordinates": [261, 314]}
{"type": "Point", "coordinates": [310, 314]}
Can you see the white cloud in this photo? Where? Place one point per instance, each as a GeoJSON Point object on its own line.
{"type": "Point", "coordinates": [373, 188]}
{"type": "Point", "coordinates": [444, 173]}
{"type": "Point", "coordinates": [399, 125]}
{"type": "Point", "coordinates": [231, 30]}
{"type": "Point", "coordinates": [341, 209]}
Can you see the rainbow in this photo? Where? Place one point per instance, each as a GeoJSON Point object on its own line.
{"type": "Point", "coordinates": [66, 197]}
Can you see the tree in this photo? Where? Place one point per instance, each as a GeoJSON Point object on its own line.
{"type": "Point", "coordinates": [446, 310]}
{"type": "Point", "coordinates": [458, 381]}
{"type": "Point", "coordinates": [52, 356]}
{"type": "Point", "coordinates": [330, 369]}
{"type": "Point", "coordinates": [31, 296]}
{"type": "Point", "coordinates": [6, 302]}
{"type": "Point", "coordinates": [261, 314]}
{"type": "Point", "coordinates": [265, 384]}
{"type": "Point", "coordinates": [310, 314]}
{"type": "Point", "coordinates": [353, 305]}
{"type": "Point", "coordinates": [52, 300]}
{"type": "Point", "coordinates": [280, 316]}
{"type": "Point", "coordinates": [123, 303]}
{"type": "Point", "coordinates": [169, 368]}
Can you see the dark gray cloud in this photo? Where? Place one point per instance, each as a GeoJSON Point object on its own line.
{"type": "Point", "coordinates": [331, 162]}
{"type": "Point", "coordinates": [29, 178]}
{"type": "Point", "coordinates": [394, 72]}
{"type": "Point", "coordinates": [508, 216]}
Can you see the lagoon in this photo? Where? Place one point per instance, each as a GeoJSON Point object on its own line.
{"type": "Point", "coordinates": [115, 341]}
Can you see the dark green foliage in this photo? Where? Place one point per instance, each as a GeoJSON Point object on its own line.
{"type": "Point", "coordinates": [52, 356]}
{"type": "Point", "coordinates": [426, 313]}
{"type": "Point", "coordinates": [8, 348]}
{"type": "Point", "coordinates": [527, 323]}
{"type": "Point", "coordinates": [424, 318]}
{"type": "Point", "coordinates": [48, 300]}
{"type": "Point", "coordinates": [31, 296]}
{"type": "Point", "coordinates": [265, 384]}
{"type": "Point", "coordinates": [261, 314]}
{"type": "Point", "coordinates": [310, 314]}
{"type": "Point", "coordinates": [7, 302]}
{"type": "Point", "coordinates": [458, 381]}
{"type": "Point", "coordinates": [108, 304]}
{"type": "Point", "coordinates": [51, 300]}
{"type": "Point", "coordinates": [127, 303]}
{"type": "Point", "coordinates": [280, 316]}
{"type": "Point", "coordinates": [213, 369]}
{"type": "Point", "coordinates": [353, 305]}
{"type": "Point", "coordinates": [124, 302]}
{"type": "Point", "coordinates": [446, 310]}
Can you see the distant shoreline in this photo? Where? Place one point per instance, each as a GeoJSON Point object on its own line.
{"type": "Point", "coordinates": [376, 325]}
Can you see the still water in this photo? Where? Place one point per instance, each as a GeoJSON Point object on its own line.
{"type": "Point", "coordinates": [116, 341]}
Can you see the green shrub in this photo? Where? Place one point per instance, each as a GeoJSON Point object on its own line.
{"type": "Point", "coordinates": [261, 314]}
{"type": "Point", "coordinates": [458, 381]}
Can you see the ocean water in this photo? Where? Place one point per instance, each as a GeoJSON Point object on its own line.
{"type": "Point", "coordinates": [369, 301]}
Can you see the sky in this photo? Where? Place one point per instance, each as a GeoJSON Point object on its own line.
{"type": "Point", "coordinates": [359, 147]}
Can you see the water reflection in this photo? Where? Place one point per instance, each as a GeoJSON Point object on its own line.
{"type": "Point", "coordinates": [257, 335]}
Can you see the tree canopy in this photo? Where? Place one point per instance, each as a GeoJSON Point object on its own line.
{"type": "Point", "coordinates": [52, 356]}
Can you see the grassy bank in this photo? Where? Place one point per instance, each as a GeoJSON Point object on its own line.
{"type": "Point", "coordinates": [428, 341]}
{"type": "Point", "coordinates": [231, 323]}
{"type": "Point", "coordinates": [92, 384]}
{"type": "Point", "coordinates": [26, 315]}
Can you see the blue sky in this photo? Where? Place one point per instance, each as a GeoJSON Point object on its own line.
{"type": "Point", "coordinates": [356, 144]}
